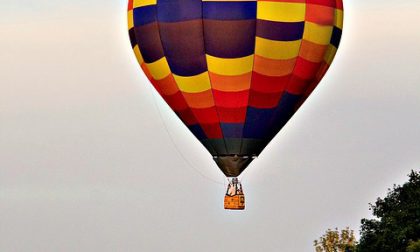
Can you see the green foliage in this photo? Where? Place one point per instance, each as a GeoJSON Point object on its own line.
{"type": "Point", "coordinates": [398, 220]}
{"type": "Point", "coordinates": [414, 246]}
{"type": "Point", "coordinates": [336, 241]}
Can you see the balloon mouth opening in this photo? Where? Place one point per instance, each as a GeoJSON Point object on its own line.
{"type": "Point", "coordinates": [233, 165]}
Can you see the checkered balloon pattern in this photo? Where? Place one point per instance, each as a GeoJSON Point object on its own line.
{"type": "Point", "coordinates": [235, 71]}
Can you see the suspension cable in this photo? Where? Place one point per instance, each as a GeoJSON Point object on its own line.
{"type": "Point", "coordinates": [186, 160]}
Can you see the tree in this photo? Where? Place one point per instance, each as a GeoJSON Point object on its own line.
{"type": "Point", "coordinates": [414, 246]}
{"type": "Point", "coordinates": [397, 222]}
{"type": "Point", "coordinates": [336, 241]}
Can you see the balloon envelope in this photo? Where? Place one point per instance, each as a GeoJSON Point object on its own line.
{"type": "Point", "coordinates": [235, 71]}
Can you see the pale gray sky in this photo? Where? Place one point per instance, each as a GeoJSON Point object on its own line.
{"type": "Point", "coordinates": [87, 165]}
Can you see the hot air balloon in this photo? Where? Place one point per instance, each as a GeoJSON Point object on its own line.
{"type": "Point", "coordinates": [235, 71]}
